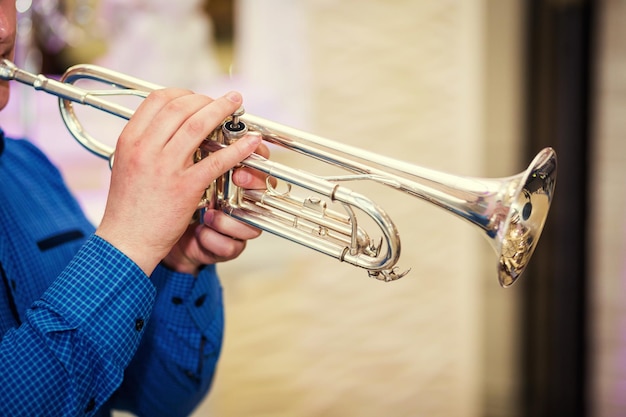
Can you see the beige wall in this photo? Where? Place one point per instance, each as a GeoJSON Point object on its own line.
{"type": "Point", "coordinates": [308, 336]}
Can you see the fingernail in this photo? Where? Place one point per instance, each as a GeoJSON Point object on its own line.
{"type": "Point", "coordinates": [250, 142]}
{"type": "Point", "coordinates": [254, 139]}
{"type": "Point", "coordinates": [243, 177]}
{"type": "Point", "coordinates": [234, 96]}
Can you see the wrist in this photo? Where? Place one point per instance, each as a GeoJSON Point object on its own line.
{"type": "Point", "coordinates": [180, 263]}
{"type": "Point", "coordinates": [144, 259]}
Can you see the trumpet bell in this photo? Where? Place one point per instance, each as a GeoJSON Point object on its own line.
{"type": "Point", "coordinates": [518, 228]}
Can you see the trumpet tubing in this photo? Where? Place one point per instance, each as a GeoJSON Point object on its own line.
{"type": "Point", "coordinates": [510, 212]}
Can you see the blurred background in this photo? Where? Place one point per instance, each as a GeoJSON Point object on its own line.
{"type": "Point", "coordinates": [469, 87]}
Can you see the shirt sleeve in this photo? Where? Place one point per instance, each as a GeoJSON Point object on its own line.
{"type": "Point", "coordinates": [174, 366]}
{"type": "Point", "coordinates": [78, 338]}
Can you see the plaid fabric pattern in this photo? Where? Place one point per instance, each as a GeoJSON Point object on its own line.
{"type": "Point", "coordinates": [182, 307]}
{"type": "Point", "coordinates": [83, 330]}
{"type": "Point", "coordinates": [78, 338]}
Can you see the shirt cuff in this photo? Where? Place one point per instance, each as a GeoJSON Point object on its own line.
{"type": "Point", "coordinates": [181, 296]}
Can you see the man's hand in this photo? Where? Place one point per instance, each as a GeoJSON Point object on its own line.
{"type": "Point", "coordinates": [220, 238]}
{"type": "Point", "coordinates": [155, 185]}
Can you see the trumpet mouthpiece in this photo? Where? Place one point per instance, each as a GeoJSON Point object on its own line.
{"type": "Point", "coordinates": [7, 70]}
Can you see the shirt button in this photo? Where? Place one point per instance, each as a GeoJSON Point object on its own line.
{"type": "Point", "coordinates": [200, 300]}
{"type": "Point", "coordinates": [139, 324]}
{"type": "Point", "coordinates": [91, 405]}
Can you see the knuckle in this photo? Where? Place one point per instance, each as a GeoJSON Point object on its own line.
{"type": "Point", "coordinates": [232, 248]}
{"type": "Point", "coordinates": [174, 106]}
{"type": "Point", "coordinates": [166, 95]}
{"type": "Point", "coordinates": [195, 127]}
{"type": "Point", "coordinates": [215, 164]}
{"type": "Point", "coordinates": [159, 96]}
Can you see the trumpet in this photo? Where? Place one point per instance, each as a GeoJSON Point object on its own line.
{"type": "Point", "coordinates": [510, 212]}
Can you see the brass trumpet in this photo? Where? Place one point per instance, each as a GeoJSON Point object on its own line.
{"type": "Point", "coordinates": [510, 211]}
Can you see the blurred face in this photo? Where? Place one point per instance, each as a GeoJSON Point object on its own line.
{"type": "Point", "coordinates": [8, 17]}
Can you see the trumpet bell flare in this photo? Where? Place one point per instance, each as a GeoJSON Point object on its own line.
{"type": "Point", "coordinates": [529, 207]}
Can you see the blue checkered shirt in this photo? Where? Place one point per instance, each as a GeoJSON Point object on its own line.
{"type": "Point", "coordinates": [83, 329]}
